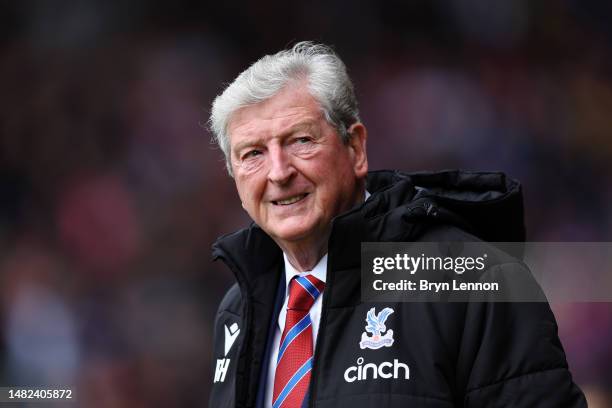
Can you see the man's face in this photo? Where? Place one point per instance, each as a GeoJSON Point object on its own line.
{"type": "Point", "coordinates": [292, 171]}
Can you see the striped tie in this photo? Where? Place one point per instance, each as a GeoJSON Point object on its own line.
{"type": "Point", "coordinates": [295, 352]}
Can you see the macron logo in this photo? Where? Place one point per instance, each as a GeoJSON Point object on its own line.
{"type": "Point", "coordinates": [231, 334]}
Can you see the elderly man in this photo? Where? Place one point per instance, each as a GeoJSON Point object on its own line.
{"type": "Point", "coordinates": [288, 333]}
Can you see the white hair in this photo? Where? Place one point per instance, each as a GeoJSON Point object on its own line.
{"type": "Point", "coordinates": [328, 83]}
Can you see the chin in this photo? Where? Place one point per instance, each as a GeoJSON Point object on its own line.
{"type": "Point", "coordinates": [291, 236]}
{"type": "Point", "coordinates": [291, 233]}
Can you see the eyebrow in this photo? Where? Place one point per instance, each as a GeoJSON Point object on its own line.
{"type": "Point", "coordinates": [259, 140]}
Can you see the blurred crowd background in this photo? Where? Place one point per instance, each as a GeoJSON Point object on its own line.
{"type": "Point", "coordinates": [111, 192]}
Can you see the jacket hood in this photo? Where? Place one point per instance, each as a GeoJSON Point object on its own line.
{"type": "Point", "coordinates": [488, 205]}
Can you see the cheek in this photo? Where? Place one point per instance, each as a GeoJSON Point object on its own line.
{"type": "Point", "coordinates": [243, 192]}
{"type": "Point", "coordinates": [250, 191]}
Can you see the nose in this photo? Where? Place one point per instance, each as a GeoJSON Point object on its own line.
{"type": "Point", "coordinates": [281, 167]}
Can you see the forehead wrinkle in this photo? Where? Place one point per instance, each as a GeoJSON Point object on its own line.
{"type": "Point", "coordinates": [280, 132]}
{"type": "Point", "coordinates": [293, 100]}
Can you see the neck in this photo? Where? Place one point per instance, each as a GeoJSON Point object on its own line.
{"type": "Point", "coordinates": [305, 254]}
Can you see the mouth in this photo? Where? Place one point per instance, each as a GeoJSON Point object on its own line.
{"type": "Point", "coordinates": [290, 200]}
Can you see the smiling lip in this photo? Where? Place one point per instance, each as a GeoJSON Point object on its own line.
{"type": "Point", "coordinates": [290, 200]}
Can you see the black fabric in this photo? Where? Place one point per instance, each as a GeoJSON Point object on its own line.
{"type": "Point", "coordinates": [457, 354]}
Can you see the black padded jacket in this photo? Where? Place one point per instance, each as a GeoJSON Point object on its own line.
{"type": "Point", "coordinates": [468, 355]}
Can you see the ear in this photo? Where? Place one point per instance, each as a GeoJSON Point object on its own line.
{"type": "Point", "coordinates": [357, 147]}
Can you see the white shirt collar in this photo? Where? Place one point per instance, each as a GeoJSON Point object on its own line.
{"type": "Point", "coordinates": [319, 271]}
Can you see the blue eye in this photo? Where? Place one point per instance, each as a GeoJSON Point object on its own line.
{"type": "Point", "coordinates": [303, 140]}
